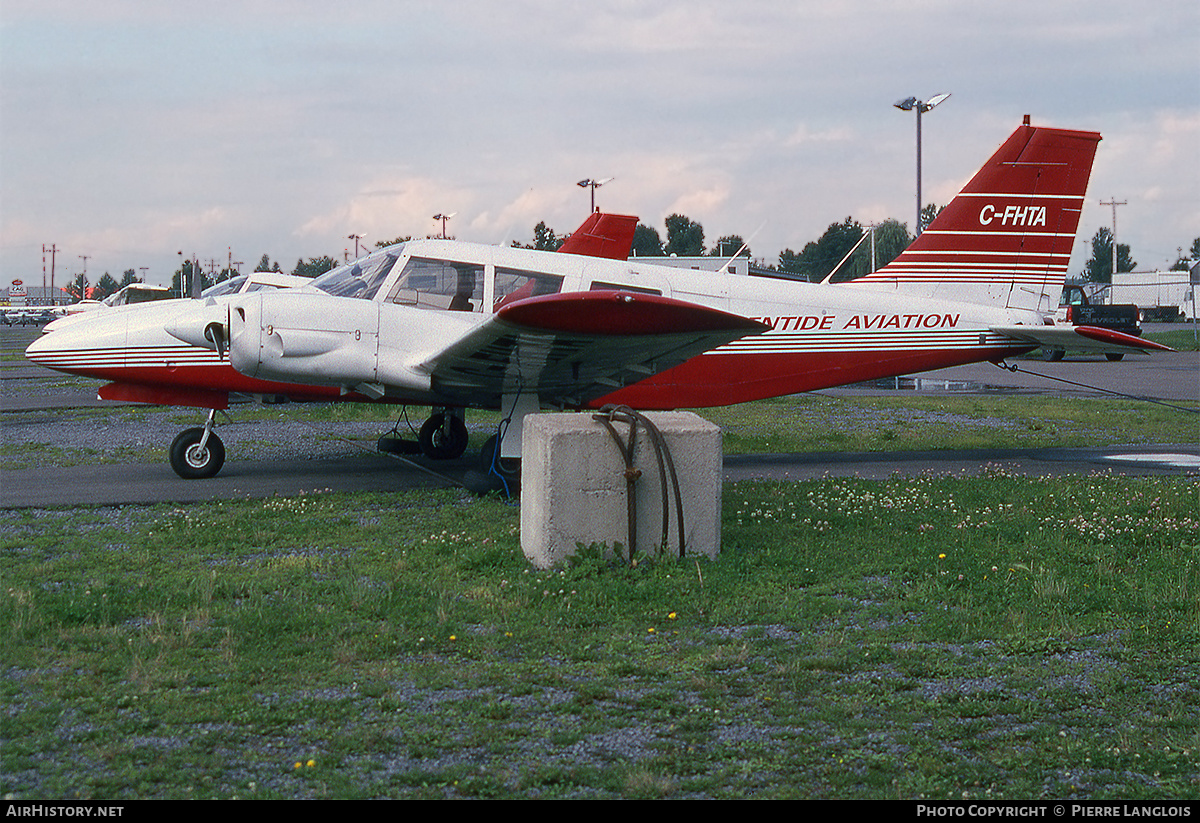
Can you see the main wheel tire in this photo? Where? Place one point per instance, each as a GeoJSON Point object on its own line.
{"type": "Point", "coordinates": [192, 463]}
{"type": "Point", "coordinates": [1114, 356]}
{"type": "Point", "coordinates": [1052, 355]}
{"type": "Point", "coordinates": [490, 460]}
{"type": "Point", "coordinates": [495, 474]}
{"type": "Point", "coordinates": [443, 437]}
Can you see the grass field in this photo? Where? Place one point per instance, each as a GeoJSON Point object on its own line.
{"type": "Point", "coordinates": [1178, 339]}
{"type": "Point", "coordinates": [995, 637]}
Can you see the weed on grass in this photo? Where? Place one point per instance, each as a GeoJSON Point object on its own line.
{"type": "Point", "coordinates": [995, 637]}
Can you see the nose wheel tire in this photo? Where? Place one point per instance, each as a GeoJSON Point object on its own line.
{"type": "Point", "coordinates": [190, 461]}
{"type": "Point", "coordinates": [443, 437]}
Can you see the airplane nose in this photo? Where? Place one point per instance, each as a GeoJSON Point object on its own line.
{"type": "Point", "coordinates": [81, 348]}
{"type": "Point", "coordinates": [54, 350]}
{"type": "Point", "coordinates": [39, 349]}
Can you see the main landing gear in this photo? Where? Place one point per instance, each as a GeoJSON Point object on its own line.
{"type": "Point", "coordinates": [442, 437]}
{"type": "Point", "coordinates": [197, 452]}
{"type": "Point", "coordinates": [495, 473]}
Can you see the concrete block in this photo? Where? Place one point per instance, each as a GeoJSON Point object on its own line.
{"type": "Point", "coordinates": [573, 487]}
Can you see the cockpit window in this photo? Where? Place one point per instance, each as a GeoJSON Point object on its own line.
{"type": "Point", "coordinates": [362, 278]}
{"type": "Point", "coordinates": [230, 286]}
{"type": "Point", "coordinates": [137, 293]}
{"type": "Point", "coordinates": [514, 284]}
{"type": "Point", "coordinates": [439, 284]}
{"type": "Point", "coordinates": [598, 285]}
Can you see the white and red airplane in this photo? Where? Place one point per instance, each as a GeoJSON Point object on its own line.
{"type": "Point", "coordinates": [457, 325]}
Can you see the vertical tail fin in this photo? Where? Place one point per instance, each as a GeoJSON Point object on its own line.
{"type": "Point", "coordinates": [1006, 239]}
{"type": "Point", "coordinates": [602, 235]}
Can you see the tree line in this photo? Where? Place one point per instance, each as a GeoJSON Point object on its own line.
{"type": "Point", "coordinates": [685, 238]}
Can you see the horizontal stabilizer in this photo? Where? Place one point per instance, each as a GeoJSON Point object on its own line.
{"type": "Point", "coordinates": [1081, 338]}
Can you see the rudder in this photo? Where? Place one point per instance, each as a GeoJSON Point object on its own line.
{"type": "Point", "coordinates": [1006, 239]}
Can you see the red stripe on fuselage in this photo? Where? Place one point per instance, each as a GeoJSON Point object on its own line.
{"type": "Point", "coordinates": [725, 379]}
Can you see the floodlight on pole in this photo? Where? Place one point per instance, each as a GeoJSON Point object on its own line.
{"type": "Point", "coordinates": [911, 104]}
{"type": "Point", "coordinates": [444, 218]}
{"type": "Point", "coordinates": [355, 238]}
{"type": "Point", "coordinates": [593, 185]}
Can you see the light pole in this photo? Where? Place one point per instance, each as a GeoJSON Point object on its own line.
{"type": "Point", "coordinates": [444, 218]}
{"type": "Point", "coordinates": [355, 238]}
{"type": "Point", "coordinates": [921, 107]}
{"type": "Point", "coordinates": [1114, 203]}
{"type": "Point", "coordinates": [593, 185]}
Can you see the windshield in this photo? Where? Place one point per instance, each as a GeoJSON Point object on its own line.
{"type": "Point", "coordinates": [138, 294]}
{"type": "Point", "coordinates": [361, 278]}
{"type": "Point", "coordinates": [229, 286]}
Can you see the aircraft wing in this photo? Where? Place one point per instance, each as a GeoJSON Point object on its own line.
{"type": "Point", "coordinates": [572, 348]}
{"type": "Point", "coordinates": [565, 348]}
{"type": "Point", "coordinates": [1081, 338]}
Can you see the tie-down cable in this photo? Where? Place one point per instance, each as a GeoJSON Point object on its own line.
{"type": "Point", "coordinates": [666, 466]}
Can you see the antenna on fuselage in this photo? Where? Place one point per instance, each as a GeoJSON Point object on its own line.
{"type": "Point", "coordinates": [870, 231]}
{"type": "Point", "coordinates": [725, 268]}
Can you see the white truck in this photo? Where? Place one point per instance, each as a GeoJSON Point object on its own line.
{"type": "Point", "coordinates": [1159, 295]}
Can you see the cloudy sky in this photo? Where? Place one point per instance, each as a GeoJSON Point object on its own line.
{"type": "Point", "coordinates": [131, 131]}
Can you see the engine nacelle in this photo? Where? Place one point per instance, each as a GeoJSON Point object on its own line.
{"type": "Point", "coordinates": [303, 337]}
{"type": "Point", "coordinates": [204, 325]}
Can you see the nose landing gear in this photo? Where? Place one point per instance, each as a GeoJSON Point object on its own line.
{"type": "Point", "coordinates": [198, 453]}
